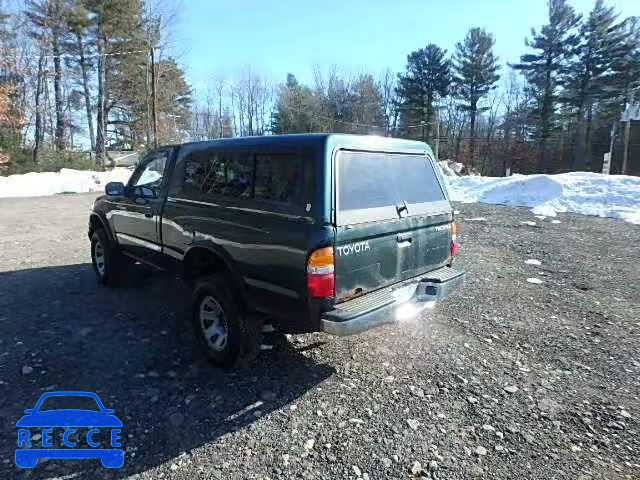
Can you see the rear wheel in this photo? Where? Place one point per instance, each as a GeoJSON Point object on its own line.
{"type": "Point", "coordinates": [228, 338]}
{"type": "Point", "coordinates": [107, 261]}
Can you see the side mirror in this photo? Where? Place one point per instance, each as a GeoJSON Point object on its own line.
{"type": "Point", "coordinates": [114, 189]}
{"type": "Point", "coordinates": [144, 192]}
{"type": "Point", "coordinates": [109, 411]}
{"type": "Point", "coordinates": [29, 411]}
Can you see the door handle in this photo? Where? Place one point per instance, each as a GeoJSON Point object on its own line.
{"type": "Point", "coordinates": [148, 215]}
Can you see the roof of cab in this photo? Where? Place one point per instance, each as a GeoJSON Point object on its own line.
{"type": "Point", "coordinates": [330, 140]}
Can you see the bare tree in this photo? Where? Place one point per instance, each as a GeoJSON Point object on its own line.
{"type": "Point", "coordinates": [252, 101]}
{"type": "Point", "coordinates": [387, 86]}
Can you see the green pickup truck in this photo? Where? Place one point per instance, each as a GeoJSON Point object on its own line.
{"type": "Point", "coordinates": [302, 233]}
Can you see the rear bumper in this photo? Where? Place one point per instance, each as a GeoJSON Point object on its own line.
{"type": "Point", "coordinates": [393, 304]}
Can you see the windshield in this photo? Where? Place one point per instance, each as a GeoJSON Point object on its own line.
{"type": "Point", "coordinates": [376, 180]}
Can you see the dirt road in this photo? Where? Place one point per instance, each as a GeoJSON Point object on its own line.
{"type": "Point", "coordinates": [508, 379]}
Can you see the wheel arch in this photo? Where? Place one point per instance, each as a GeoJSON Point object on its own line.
{"type": "Point", "coordinates": [200, 260]}
{"type": "Point", "coordinates": [96, 221]}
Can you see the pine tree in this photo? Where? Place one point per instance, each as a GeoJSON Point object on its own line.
{"type": "Point", "coordinates": [336, 104]}
{"type": "Point", "coordinates": [427, 78]}
{"type": "Point", "coordinates": [590, 76]}
{"type": "Point", "coordinates": [627, 65]}
{"type": "Point", "coordinates": [367, 110]}
{"type": "Point", "coordinates": [475, 70]}
{"type": "Point", "coordinates": [122, 46]}
{"type": "Point", "coordinates": [543, 69]}
{"type": "Point", "coordinates": [294, 108]}
{"type": "Point", "coordinates": [627, 80]}
{"type": "Point", "coordinates": [173, 103]}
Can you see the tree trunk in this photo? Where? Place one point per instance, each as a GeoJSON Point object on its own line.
{"type": "Point", "coordinates": [472, 133]}
{"type": "Point", "coordinates": [101, 120]}
{"type": "Point", "coordinates": [546, 112]}
{"type": "Point", "coordinates": [57, 87]}
{"type": "Point", "coordinates": [458, 140]}
{"type": "Point", "coordinates": [577, 159]}
{"type": "Point", "coordinates": [587, 137]}
{"type": "Point", "coordinates": [543, 156]}
{"type": "Point", "coordinates": [38, 107]}
{"type": "Point", "coordinates": [428, 114]}
{"type": "Point", "coordinates": [220, 110]}
{"type": "Point", "coordinates": [48, 120]}
{"type": "Point", "coordinates": [85, 87]}
{"type": "Point", "coordinates": [625, 143]}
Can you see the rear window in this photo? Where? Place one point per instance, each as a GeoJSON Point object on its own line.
{"type": "Point", "coordinates": [377, 180]}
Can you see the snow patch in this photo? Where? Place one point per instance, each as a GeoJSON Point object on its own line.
{"type": "Point", "coordinates": [586, 193]}
{"type": "Point", "coordinates": [451, 168]}
{"type": "Point", "coordinates": [535, 281]}
{"type": "Point", "coordinates": [532, 261]}
{"type": "Point", "coordinates": [37, 184]}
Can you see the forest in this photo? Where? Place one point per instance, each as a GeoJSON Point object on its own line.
{"type": "Point", "coordinates": [82, 78]}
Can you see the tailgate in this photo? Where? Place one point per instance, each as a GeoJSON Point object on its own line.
{"type": "Point", "coordinates": [393, 221]}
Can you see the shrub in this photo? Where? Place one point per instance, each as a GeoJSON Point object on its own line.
{"type": "Point", "coordinates": [49, 161]}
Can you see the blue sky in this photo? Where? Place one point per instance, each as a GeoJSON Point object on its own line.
{"type": "Point", "coordinates": [281, 36]}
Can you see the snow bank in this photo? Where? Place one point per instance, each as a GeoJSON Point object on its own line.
{"type": "Point", "coordinates": [37, 184]}
{"type": "Point", "coordinates": [451, 168]}
{"type": "Point", "coordinates": [456, 169]}
{"type": "Point", "coordinates": [615, 196]}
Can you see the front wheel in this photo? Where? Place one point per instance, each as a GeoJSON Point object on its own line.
{"type": "Point", "coordinates": [106, 260]}
{"type": "Point", "coordinates": [228, 339]}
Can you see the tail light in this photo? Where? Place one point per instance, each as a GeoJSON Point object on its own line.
{"type": "Point", "coordinates": [455, 246]}
{"type": "Point", "coordinates": [321, 280]}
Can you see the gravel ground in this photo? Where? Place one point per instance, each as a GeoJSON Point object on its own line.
{"type": "Point", "coordinates": [507, 379]}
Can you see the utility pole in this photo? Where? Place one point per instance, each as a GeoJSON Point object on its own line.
{"type": "Point", "coordinates": [613, 137]}
{"type": "Point", "coordinates": [437, 145]}
{"type": "Point", "coordinates": [154, 112]}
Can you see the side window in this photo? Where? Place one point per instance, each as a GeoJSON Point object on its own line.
{"type": "Point", "coordinates": [218, 173]}
{"type": "Point", "coordinates": [276, 181]}
{"type": "Point", "coordinates": [278, 178]}
{"type": "Point", "coordinates": [152, 173]}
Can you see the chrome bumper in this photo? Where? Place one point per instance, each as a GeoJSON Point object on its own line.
{"type": "Point", "coordinates": [393, 304]}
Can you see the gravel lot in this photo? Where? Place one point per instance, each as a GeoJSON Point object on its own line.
{"type": "Point", "coordinates": [508, 379]}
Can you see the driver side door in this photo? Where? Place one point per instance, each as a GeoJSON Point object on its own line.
{"type": "Point", "coordinates": [136, 220]}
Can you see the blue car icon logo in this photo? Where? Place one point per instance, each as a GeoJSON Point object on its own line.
{"type": "Point", "coordinates": [101, 425]}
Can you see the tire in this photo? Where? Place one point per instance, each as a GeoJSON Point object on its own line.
{"type": "Point", "coordinates": [107, 261]}
{"type": "Point", "coordinates": [228, 338]}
